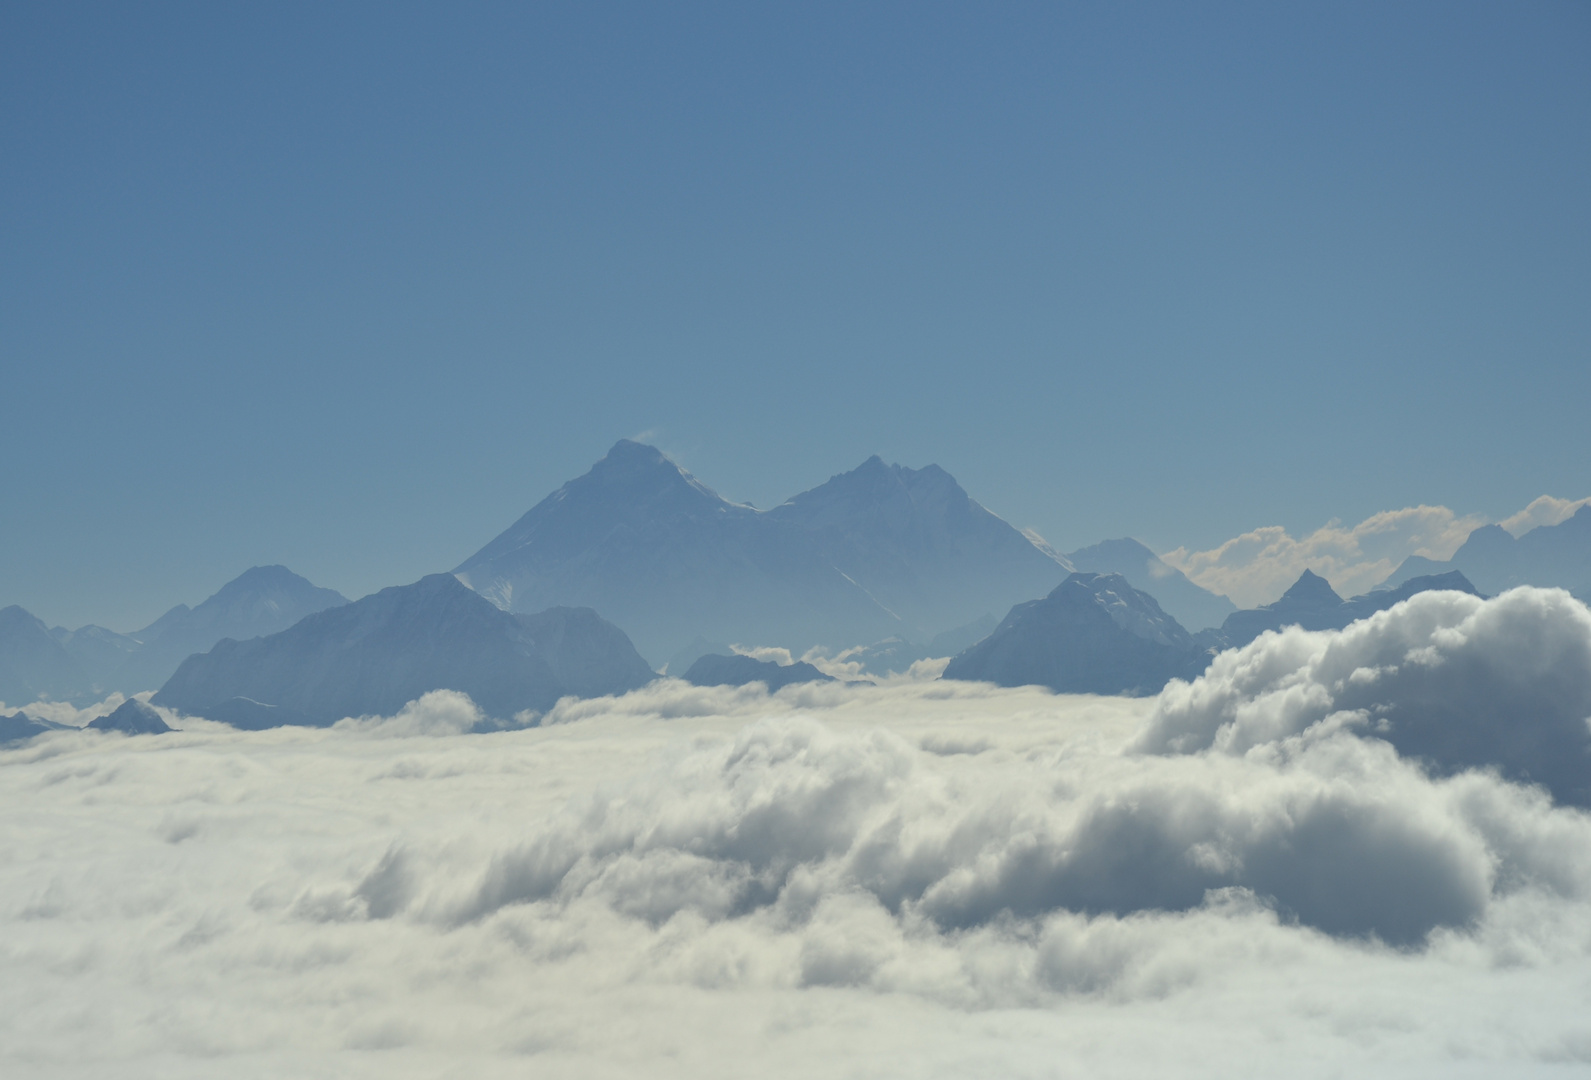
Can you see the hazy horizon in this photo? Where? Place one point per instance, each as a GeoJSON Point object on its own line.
{"type": "Point", "coordinates": [350, 288]}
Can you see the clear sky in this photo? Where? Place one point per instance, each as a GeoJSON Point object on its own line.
{"type": "Point", "coordinates": [350, 287]}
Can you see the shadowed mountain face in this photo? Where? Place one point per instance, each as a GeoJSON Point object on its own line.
{"type": "Point", "coordinates": [873, 553]}
{"type": "Point", "coordinates": [19, 726]}
{"type": "Point", "coordinates": [714, 670]}
{"type": "Point", "coordinates": [1549, 555]}
{"type": "Point", "coordinates": [919, 545]}
{"type": "Point", "coordinates": [1312, 604]}
{"type": "Point", "coordinates": [1095, 634]}
{"type": "Point", "coordinates": [1184, 601]}
{"type": "Point", "coordinates": [374, 656]}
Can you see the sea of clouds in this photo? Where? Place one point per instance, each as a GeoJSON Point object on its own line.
{"type": "Point", "coordinates": [1349, 852]}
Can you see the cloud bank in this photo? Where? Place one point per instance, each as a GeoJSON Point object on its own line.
{"type": "Point", "coordinates": [1545, 510]}
{"type": "Point", "coordinates": [923, 878]}
{"type": "Point", "coordinates": [1257, 567]}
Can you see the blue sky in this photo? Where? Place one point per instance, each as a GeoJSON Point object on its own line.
{"type": "Point", "coordinates": [349, 287]}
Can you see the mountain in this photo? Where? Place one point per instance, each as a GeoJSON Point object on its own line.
{"type": "Point", "coordinates": [713, 670]}
{"type": "Point", "coordinates": [1312, 604]}
{"type": "Point", "coordinates": [877, 552]}
{"type": "Point", "coordinates": [132, 717]}
{"type": "Point", "coordinates": [1094, 634]}
{"type": "Point", "coordinates": [19, 726]}
{"type": "Point", "coordinates": [262, 600]}
{"type": "Point", "coordinates": [376, 655]}
{"type": "Point", "coordinates": [1180, 598]}
{"type": "Point", "coordinates": [895, 655]}
{"type": "Point", "coordinates": [98, 652]}
{"type": "Point", "coordinates": [1548, 555]}
{"type": "Point", "coordinates": [246, 714]}
{"type": "Point", "coordinates": [919, 544]}
{"type": "Point", "coordinates": [588, 655]}
{"type": "Point", "coordinates": [33, 664]}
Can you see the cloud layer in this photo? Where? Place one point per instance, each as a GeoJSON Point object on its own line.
{"type": "Point", "coordinates": [915, 879]}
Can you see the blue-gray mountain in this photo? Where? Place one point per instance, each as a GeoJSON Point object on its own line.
{"type": "Point", "coordinates": [1550, 555]}
{"type": "Point", "coordinates": [876, 552]}
{"type": "Point", "coordinates": [33, 664]}
{"type": "Point", "coordinates": [1312, 604]}
{"type": "Point", "coordinates": [1180, 598]}
{"type": "Point", "coordinates": [1094, 634]}
{"type": "Point", "coordinates": [86, 664]}
{"type": "Point", "coordinates": [260, 601]}
{"type": "Point", "coordinates": [19, 726]}
{"type": "Point", "coordinates": [718, 670]}
{"type": "Point", "coordinates": [131, 717]}
{"type": "Point", "coordinates": [374, 656]}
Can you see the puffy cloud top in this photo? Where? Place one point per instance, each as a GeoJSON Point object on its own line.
{"type": "Point", "coordinates": [1448, 678]}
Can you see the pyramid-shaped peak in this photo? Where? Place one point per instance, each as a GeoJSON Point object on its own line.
{"type": "Point", "coordinates": [635, 469]}
{"type": "Point", "coordinates": [1312, 588]}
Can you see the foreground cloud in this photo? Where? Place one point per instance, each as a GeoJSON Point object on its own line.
{"type": "Point", "coordinates": [1445, 677]}
{"type": "Point", "coordinates": [927, 877]}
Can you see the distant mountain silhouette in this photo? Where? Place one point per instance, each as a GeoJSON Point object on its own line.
{"type": "Point", "coordinates": [1094, 634]}
{"type": "Point", "coordinates": [919, 545]}
{"type": "Point", "coordinates": [1180, 598]}
{"type": "Point", "coordinates": [715, 670]}
{"type": "Point", "coordinates": [260, 601]}
{"type": "Point", "coordinates": [33, 663]}
{"type": "Point", "coordinates": [19, 726]}
{"type": "Point", "coordinates": [376, 655]}
{"type": "Point", "coordinates": [99, 652]}
{"type": "Point", "coordinates": [877, 552]}
{"type": "Point", "coordinates": [1312, 604]}
{"type": "Point", "coordinates": [1548, 555]}
{"type": "Point", "coordinates": [86, 664]}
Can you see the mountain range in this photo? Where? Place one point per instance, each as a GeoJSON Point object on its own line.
{"type": "Point", "coordinates": [1096, 634]}
{"type": "Point", "coordinates": [1496, 561]}
{"type": "Point", "coordinates": [88, 663]}
{"type": "Point", "coordinates": [880, 552]}
{"type": "Point", "coordinates": [375, 655]}
{"type": "Point", "coordinates": [1312, 604]}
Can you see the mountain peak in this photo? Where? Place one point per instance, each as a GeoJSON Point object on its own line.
{"type": "Point", "coordinates": [1311, 588]}
{"type": "Point", "coordinates": [628, 451]}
